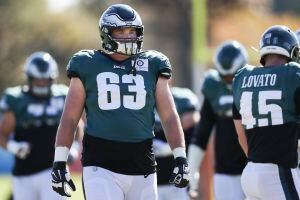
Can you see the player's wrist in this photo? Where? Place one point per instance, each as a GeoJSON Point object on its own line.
{"type": "Point", "coordinates": [179, 152]}
{"type": "Point", "coordinates": [59, 165]}
{"type": "Point", "coordinates": [61, 154]}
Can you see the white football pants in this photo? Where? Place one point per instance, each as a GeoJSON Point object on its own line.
{"type": "Point", "coordinates": [100, 184]}
{"type": "Point", "coordinates": [263, 181]}
{"type": "Point", "coordinates": [228, 187]}
{"type": "Point", "coordinates": [170, 192]}
{"type": "Point", "coordinates": [34, 187]}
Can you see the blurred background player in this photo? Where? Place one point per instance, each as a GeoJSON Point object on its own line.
{"type": "Point", "coordinates": [266, 114]}
{"type": "Point", "coordinates": [187, 107]}
{"type": "Point", "coordinates": [216, 112]}
{"type": "Point", "coordinates": [31, 115]}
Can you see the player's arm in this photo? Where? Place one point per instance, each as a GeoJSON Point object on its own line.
{"type": "Point", "coordinates": [71, 115]}
{"type": "Point", "coordinates": [76, 146]}
{"type": "Point", "coordinates": [169, 117]}
{"type": "Point", "coordinates": [65, 135]}
{"type": "Point", "coordinates": [199, 142]}
{"type": "Point", "coordinates": [240, 129]}
{"type": "Point", "coordinates": [173, 131]}
{"type": "Point", "coordinates": [7, 127]}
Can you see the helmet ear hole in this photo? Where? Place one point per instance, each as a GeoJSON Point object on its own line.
{"type": "Point", "coordinates": [295, 54]}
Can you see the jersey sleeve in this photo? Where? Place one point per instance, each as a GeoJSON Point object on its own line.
{"type": "Point", "coordinates": [73, 67]}
{"type": "Point", "coordinates": [163, 65]}
{"type": "Point", "coordinates": [76, 63]}
{"type": "Point", "coordinates": [210, 85]}
{"type": "Point", "coordinates": [6, 103]}
{"type": "Point", "coordinates": [235, 113]}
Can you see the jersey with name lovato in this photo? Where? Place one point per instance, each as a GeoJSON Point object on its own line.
{"type": "Point", "coordinates": [119, 104]}
{"type": "Point", "coordinates": [265, 100]}
{"type": "Point", "coordinates": [37, 120]}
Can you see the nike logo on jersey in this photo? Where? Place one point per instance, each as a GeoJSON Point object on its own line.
{"type": "Point", "coordinates": [259, 80]}
{"type": "Point", "coordinates": [119, 67]}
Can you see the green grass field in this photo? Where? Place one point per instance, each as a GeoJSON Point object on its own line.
{"type": "Point", "coordinates": [5, 185]}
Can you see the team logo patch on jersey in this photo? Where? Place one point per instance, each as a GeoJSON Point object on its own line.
{"type": "Point", "coordinates": [141, 65]}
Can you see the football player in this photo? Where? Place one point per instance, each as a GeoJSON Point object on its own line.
{"type": "Point", "coordinates": [265, 111]}
{"type": "Point", "coordinates": [119, 87]}
{"type": "Point", "coordinates": [31, 115]}
{"type": "Point", "coordinates": [216, 112]}
{"type": "Point", "coordinates": [187, 107]}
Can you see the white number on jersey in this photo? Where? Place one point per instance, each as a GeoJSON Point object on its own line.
{"type": "Point", "coordinates": [54, 108]}
{"type": "Point", "coordinates": [263, 109]}
{"type": "Point", "coordinates": [109, 95]}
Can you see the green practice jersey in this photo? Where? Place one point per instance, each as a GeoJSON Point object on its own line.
{"type": "Point", "coordinates": [218, 94]}
{"type": "Point", "coordinates": [265, 96]}
{"type": "Point", "coordinates": [119, 105]}
{"type": "Point", "coordinates": [31, 111]}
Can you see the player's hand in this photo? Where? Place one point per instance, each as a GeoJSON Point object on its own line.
{"type": "Point", "coordinates": [20, 149]}
{"type": "Point", "coordinates": [180, 175]}
{"type": "Point", "coordinates": [61, 179]}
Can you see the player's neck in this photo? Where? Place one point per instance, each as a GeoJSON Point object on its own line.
{"type": "Point", "coordinates": [275, 61]}
{"type": "Point", "coordinates": [119, 57]}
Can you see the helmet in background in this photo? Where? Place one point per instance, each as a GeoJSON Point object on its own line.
{"type": "Point", "coordinates": [229, 57]}
{"type": "Point", "coordinates": [41, 70]}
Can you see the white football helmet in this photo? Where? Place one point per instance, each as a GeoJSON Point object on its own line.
{"type": "Point", "coordinates": [120, 16]}
{"type": "Point", "coordinates": [229, 57]}
{"type": "Point", "coordinates": [279, 40]}
{"type": "Point", "coordinates": [40, 65]}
